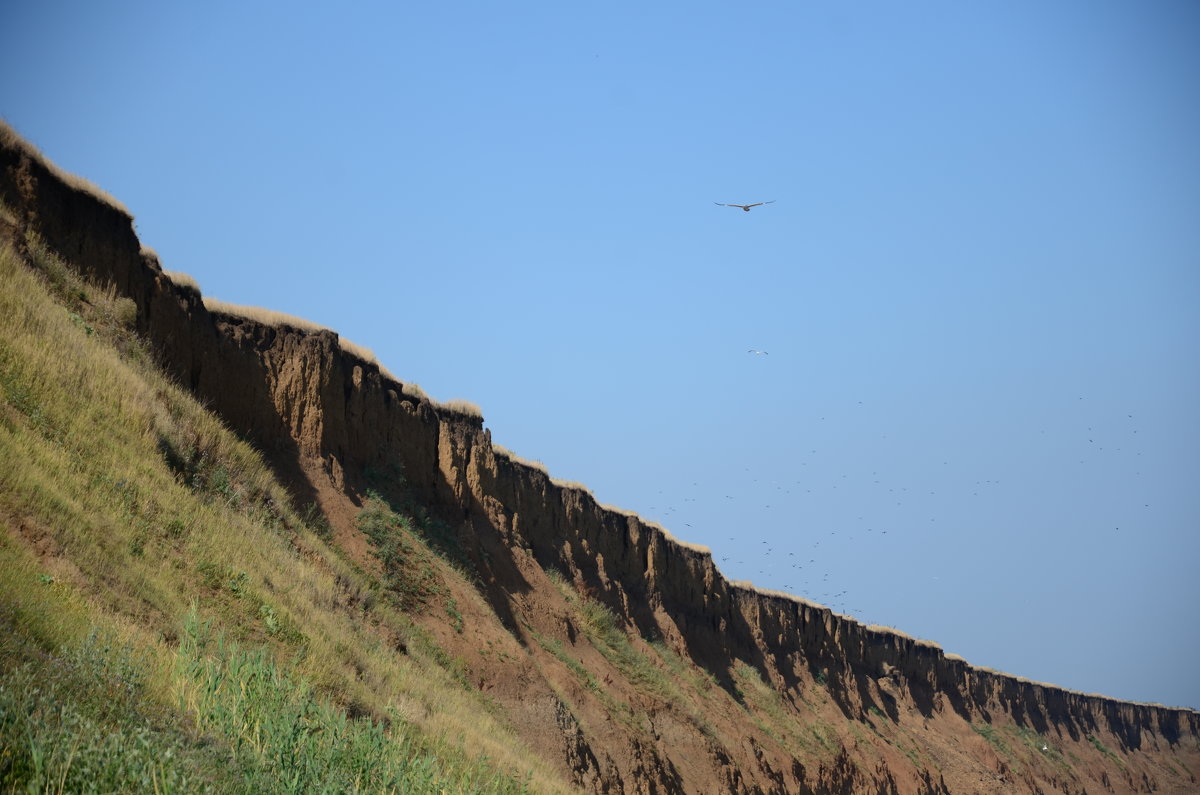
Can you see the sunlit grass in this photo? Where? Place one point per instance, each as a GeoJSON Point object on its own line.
{"type": "Point", "coordinates": [124, 503]}
{"type": "Point", "coordinates": [11, 139]}
{"type": "Point", "coordinates": [291, 741]}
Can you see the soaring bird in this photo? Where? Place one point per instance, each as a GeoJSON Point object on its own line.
{"type": "Point", "coordinates": [745, 207]}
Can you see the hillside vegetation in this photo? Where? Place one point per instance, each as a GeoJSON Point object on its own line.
{"type": "Point", "coordinates": [237, 555]}
{"type": "Point", "coordinates": [172, 622]}
{"type": "Point", "coordinates": [169, 621]}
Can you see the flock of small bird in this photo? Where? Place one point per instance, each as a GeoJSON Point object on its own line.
{"type": "Point", "coordinates": [810, 577]}
{"type": "Point", "coordinates": [772, 563]}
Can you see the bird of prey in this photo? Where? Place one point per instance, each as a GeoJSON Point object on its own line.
{"type": "Point", "coordinates": [745, 207]}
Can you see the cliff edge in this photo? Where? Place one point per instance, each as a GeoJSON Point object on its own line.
{"type": "Point", "coordinates": [799, 698]}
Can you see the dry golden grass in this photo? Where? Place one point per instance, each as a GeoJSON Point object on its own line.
{"type": "Point", "coordinates": [791, 597]}
{"type": "Point", "coordinates": [366, 354]}
{"type": "Point", "coordinates": [268, 317]}
{"type": "Point", "coordinates": [667, 535]}
{"type": "Point", "coordinates": [10, 138]}
{"type": "Point", "coordinates": [413, 390]}
{"type": "Point", "coordinates": [570, 485]}
{"type": "Point", "coordinates": [182, 279]}
{"type": "Point", "coordinates": [893, 631]}
{"type": "Point", "coordinates": [983, 669]}
{"type": "Point", "coordinates": [617, 509]}
{"type": "Point", "coordinates": [464, 407]}
{"type": "Point", "coordinates": [149, 253]}
{"type": "Point", "coordinates": [504, 452]}
{"type": "Point", "coordinates": [887, 630]}
{"type": "Point", "coordinates": [993, 672]}
{"type": "Point", "coordinates": [670, 538]}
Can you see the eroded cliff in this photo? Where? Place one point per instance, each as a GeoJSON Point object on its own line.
{"type": "Point", "coordinates": [888, 713]}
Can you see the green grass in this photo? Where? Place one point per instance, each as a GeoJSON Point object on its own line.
{"type": "Point", "coordinates": [603, 631]}
{"type": "Point", "coordinates": [80, 722]}
{"type": "Point", "coordinates": [657, 671]}
{"type": "Point", "coordinates": [619, 711]}
{"type": "Point", "coordinates": [992, 735]}
{"type": "Point", "coordinates": [288, 740]}
{"type": "Point", "coordinates": [585, 677]}
{"type": "Point", "coordinates": [765, 706]}
{"type": "Point", "coordinates": [414, 569]}
{"type": "Point", "coordinates": [1104, 750]}
{"type": "Point", "coordinates": [649, 666]}
{"type": "Point", "coordinates": [410, 571]}
{"type": "Point", "coordinates": [123, 504]}
{"type": "Point", "coordinates": [600, 625]}
{"type": "Point", "coordinates": [1030, 742]}
{"type": "Point", "coordinates": [77, 722]}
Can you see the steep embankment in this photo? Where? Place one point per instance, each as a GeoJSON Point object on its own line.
{"type": "Point", "coordinates": [643, 668]}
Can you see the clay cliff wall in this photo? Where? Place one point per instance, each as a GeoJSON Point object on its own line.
{"type": "Point", "coordinates": [313, 407]}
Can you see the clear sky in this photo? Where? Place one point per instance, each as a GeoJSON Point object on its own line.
{"type": "Point", "coordinates": [976, 418]}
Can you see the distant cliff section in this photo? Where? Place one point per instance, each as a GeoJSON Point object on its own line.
{"type": "Point", "coordinates": [333, 423]}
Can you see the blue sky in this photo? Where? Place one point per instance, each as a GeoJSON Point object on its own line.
{"type": "Point", "coordinates": [977, 287]}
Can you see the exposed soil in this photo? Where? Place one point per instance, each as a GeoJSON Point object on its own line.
{"type": "Point", "coordinates": [621, 655]}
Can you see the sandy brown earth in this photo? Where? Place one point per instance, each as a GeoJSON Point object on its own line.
{"type": "Point", "coordinates": [623, 656]}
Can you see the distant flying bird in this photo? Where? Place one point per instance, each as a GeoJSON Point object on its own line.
{"type": "Point", "coordinates": [745, 207]}
{"type": "Point", "coordinates": [757, 352]}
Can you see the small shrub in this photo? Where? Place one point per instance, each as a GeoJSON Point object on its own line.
{"type": "Point", "coordinates": [456, 619]}
{"type": "Point", "coordinates": [125, 312]}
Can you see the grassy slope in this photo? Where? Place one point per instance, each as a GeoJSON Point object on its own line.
{"type": "Point", "coordinates": [167, 619]}
{"type": "Point", "coordinates": [159, 593]}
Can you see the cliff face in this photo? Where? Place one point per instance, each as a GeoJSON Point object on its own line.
{"type": "Point", "coordinates": [331, 423]}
